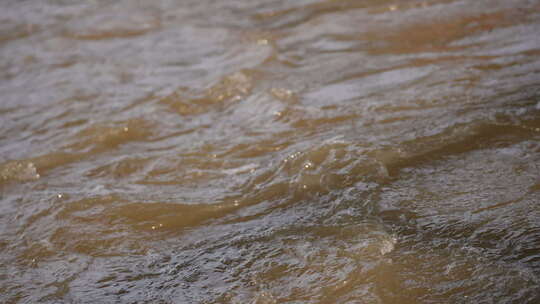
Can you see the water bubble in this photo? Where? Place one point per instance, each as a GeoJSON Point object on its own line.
{"type": "Point", "coordinates": [19, 171]}
{"type": "Point", "coordinates": [308, 165]}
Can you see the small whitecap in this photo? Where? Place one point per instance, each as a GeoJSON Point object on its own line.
{"type": "Point", "coordinates": [242, 169]}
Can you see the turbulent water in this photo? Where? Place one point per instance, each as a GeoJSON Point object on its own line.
{"type": "Point", "coordinates": [338, 151]}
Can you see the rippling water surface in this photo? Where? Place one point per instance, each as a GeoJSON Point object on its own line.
{"type": "Point", "coordinates": [270, 151]}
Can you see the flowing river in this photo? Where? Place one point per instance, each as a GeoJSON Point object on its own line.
{"type": "Point", "coordinates": [270, 151]}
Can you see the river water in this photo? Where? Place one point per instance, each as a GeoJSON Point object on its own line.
{"type": "Point", "coordinates": [270, 151]}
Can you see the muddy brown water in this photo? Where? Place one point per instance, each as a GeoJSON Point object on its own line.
{"type": "Point", "coordinates": [270, 151]}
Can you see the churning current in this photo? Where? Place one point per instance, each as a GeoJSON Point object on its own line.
{"type": "Point", "coordinates": [270, 151]}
